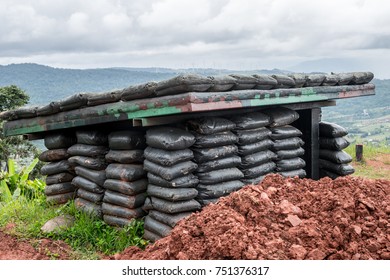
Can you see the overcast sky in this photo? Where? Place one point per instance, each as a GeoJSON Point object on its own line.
{"type": "Point", "coordinates": [301, 35]}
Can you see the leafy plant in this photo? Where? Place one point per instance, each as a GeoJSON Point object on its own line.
{"type": "Point", "coordinates": [14, 184]}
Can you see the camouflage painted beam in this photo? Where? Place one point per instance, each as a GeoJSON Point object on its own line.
{"type": "Point", "coordinates": [182, 103]}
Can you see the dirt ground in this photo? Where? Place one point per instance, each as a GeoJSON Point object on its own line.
{"type": "Point", "coordinates": [347, 218]}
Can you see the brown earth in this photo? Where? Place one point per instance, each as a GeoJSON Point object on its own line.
{"type": "Point", "coordinates": [347, 218]}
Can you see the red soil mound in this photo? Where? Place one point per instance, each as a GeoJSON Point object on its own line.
{"type": "Point", "coordinates": [347, 218]}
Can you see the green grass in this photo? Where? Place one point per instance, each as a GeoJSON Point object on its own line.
{"type": "Point", "coordinates": [371, 153]}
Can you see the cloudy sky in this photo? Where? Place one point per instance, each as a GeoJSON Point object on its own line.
{"type": "Point", "coordinates": [301, 35]}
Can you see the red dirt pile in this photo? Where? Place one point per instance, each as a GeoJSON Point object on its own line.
{"type": "Point", "coordinates": [347, 218]}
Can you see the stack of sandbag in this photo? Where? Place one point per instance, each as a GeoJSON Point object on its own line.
{"type": "Point", "coordinates": [171, 183]}
{"type": "Point", "coordinates": [126, 179]}
{"type": "Point", "coordinates": [254, 146]}
{"type": "Point", "coordinates": [287, 142]}
{"type": "Point", "coordinates": [334, 162]}
{"type": "Point", "coordinates": [59, 171]}
{"type": "Point", "coordinates": [88, 158]}
{"type": "Point", "coordinates": [216, 153]}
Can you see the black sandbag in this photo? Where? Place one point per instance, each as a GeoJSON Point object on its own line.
{"type": "Point", "coordinates": [125, 156]}
{"type": "Point", "coordinates": [284, 81]}
{"type": "Point", "coordinates": [299, 79]}
{"type": "Point", "coordinates": [359, 78]}
{"type": "Point", "coordinates": [183, 83]}
{"type": "Point", "coordinates": [151, 236]}
{"type": "Point", "coordinates": [265, 82]}
{"type": "Point", "coordinates": [123, 212]}
{"type": "Point", "coordinates": [215, 140]}
{"type": "Point", "coordinates": [88, 185]}
{"type": "Point", "coordinates": [126, 140]}
{"type": "Point", "coordinates": [253, 181]}
{"type": "Point", "coordinates": [210, 125]}
{"type": "Point", "coordinates": [96, 176]}
{"type": "Point", "coordinates": [287, 144]}
{"type": "Point", "coordinates": [330, 80]}
{"type": "Point", "coordinates": [8, 115]}
{"type": "Point", "coordinates": [88, 207]}
{"type": "Point", "coordinates": [290, 164]}
{"type": "Point", "coordinates": [256, 159]}
{"type": "Point", "coordinates": [88, 162]}
{"type": "Point", "coordinates": [344, 78]}
{"type": "Point", "coordinates": [170, 172]}
{"type": "Point", "coordinates": [59, 178]}
{"type": "Point", "coordinates": [335, 156]}
{"type": "Point", "coordinates": [75, 101]}
{"type": "Point", "coordinates": [286, 154]}
{"type": "Point", "coordinates": [138, 91]}
{"type": "Point", "coordinates": [208, 154]}
{"type": "Point", "coordinates": [90, 196]}
{"type": "Point", "coordinates": [54, 155]}
{"type": "Point", "coordinates": [222, 83]}
{"type": "Point", "coordinates": [188, 181]}
{"type": "Point", "coordinates": [169, 138]}
{"type": "Point", "coordinates": [59, 188]}
{"type": "Point", "coordinates": [49, 109]}
{"type": "Point", "coordinates": [283, 132]}
{"type": "Point", "coordinates": [341, 169]}
{"type": "Point", "coordinates": [331, 130]}
{"type": "Point", "coordinates": [301, 173]}
{"type": "Point", "coordinates": [314, 80]}
{"type": "Point", "coordinates": [281, 116]}
{"type": "Point", "coordinates": [168, 219]}
{"type": "Point", "coordinates": [60, 198]}
{"type": "Point", "coordinates": [327, 173]}
{"type": "Point", "coordinates": [259, 170]}
{"type": "Point", "coordinates": [147, 204]}
{"type": "Point", "coordinates": [133, 201]}
{"type": "Point", "coordinates": [250, 136]}
{"type": "Point", "coordinates": [222, 163]}
{"type": "Point", "coordinates": [369, 76]}
{"type": "Point", "coordinates": [218, 190]}
{"type": "Point", "coordinates": [125, 172]}
{"type": "Point", "coordinates": [59, 141]}
{"type": "Point", "coordinates": [92, 137]}
{"type": "Point", "coordinates": [56, 167]}
{"type": "Point", "coordinates": [156, 226]}
{"type": "Point", "coordinates": [116, 221]}
{"type": "Point", "coordinates": [218, 176]}
{"type": "Point", "coordinates": [244, 82]}
{"type": "Point", "coordinates": [206, 201]}
{"type": "Point", "coordinates": [172, 194]}
{"type": "Point", "coordinates": [168, 158]}
{"type": "Point", "coordinates": [87, 150]}
{"type": "Point", "coordinates": [338, 143]}
{"type": "Point", "coordinates": [26, 112]}
{"type": "Point", "coordinates": [94, 99]}
{"type": "Point", "coordinates": [169, 207]}
{"type": "Point", "coordinates": [262, 145]}
{"type": "Point", "coordinates": [127, 188]}
{"type": "Point", "coordinates": [250, 120]}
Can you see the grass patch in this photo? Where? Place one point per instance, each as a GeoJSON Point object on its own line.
{"type": "Point", "coordinates": [375, 163]}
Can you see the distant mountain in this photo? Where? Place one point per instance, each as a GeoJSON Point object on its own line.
{"type": "Point", "coordinates": [45, 84]}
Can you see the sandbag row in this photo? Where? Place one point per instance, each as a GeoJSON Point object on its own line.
{"type": "Point", "coordinates": [126, 183]}
{"type": "Point", "coordinates": [216, 154]}
{"type": "Point", "coordinates": [171, 184]}
{"type": "Point", "coordinates": [87, 155]}
{"type": "Point", "coordinates": [287, 142]}
{"type": "Point", "coordinates": [254, 146]}
{"type": "Point", "coordinates": [58, 170]}
{"type": "Point", "coordinates": [333, 162]}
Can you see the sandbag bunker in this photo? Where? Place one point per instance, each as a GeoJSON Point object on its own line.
{"type": "Point", "coordinates": [165, 173]}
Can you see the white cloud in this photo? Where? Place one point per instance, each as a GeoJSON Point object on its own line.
{"type": "Point", "coordinates": [226, 33]}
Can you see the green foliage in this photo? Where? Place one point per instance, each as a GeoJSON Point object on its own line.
{"type": "Point", "coordinates": [90, 234]}
{"type": "Point", "coordinates": [17, 183]}
{"type": "Point", "coordinates": [12, 97]}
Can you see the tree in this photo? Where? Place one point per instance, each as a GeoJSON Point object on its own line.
{"type": "Point", "coordinates": [12, 97]}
